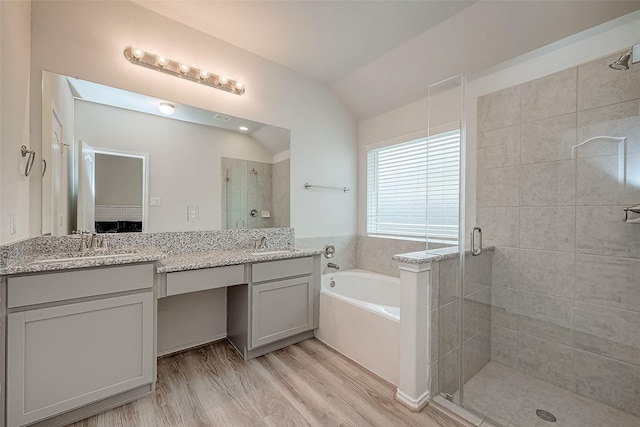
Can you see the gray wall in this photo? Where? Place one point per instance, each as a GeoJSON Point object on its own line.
{"type": "Point", "coordinates": [566, 300]}
{"type": "Point", "coordinates": [118, 180]}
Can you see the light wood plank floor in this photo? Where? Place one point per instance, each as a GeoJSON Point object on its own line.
{"type": "Point", "coordinates": [307, 384]}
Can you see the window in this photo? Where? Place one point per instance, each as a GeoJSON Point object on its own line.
{"type": "Point", "coordinates": [413, 189]}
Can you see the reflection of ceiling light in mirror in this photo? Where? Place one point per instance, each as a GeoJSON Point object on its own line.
{"type": "Point", "coordinates": [166, 108]}
{"type": "Point", "coordinates": [168, 66]}
{"type": "Point", "coordinates": [243, 128]}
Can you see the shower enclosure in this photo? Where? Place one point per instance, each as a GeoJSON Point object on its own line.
{"type": "Point", "coordinates": [544, 325]}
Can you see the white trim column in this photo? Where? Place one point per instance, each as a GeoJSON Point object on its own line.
{"type": "Point", "coordinates": [415, 335]}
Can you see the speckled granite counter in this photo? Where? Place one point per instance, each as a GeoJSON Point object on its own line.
{"type": "Point", "coordinates": [71, 261]}
{"type": "Point", "coordinates": [429, 256]}
{"type": "Point", "coordinates": [165, 263]}
{"type": "Point", "coordinates": [196, 260]}
{"type": "Point", "coordinates": [172, 251]}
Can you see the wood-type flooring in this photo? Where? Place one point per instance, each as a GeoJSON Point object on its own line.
{"type": "Point", "coordinates": [307, 384]}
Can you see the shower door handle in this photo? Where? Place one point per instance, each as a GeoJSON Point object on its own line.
{"type": "Point", "coordinates": [476, 249]}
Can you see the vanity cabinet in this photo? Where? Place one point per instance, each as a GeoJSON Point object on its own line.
{"type": "Point", "coordinates": [276, 308]}
{"type": "Point", "coordinates": [78, 337]}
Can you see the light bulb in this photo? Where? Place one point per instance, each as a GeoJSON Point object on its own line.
{"type": "Point", "coordinates": [239, 86]}
{"type": "Point", "coordinates": [184, 68]}
{"type": "Point", "coordinates": [137, 53]}
{"type": "Point", "coordinates": [166, 108]}
{"type": "Point", "coordinates": [162, 61]}
{"type": "Point", "coordinates": [223, 80]}
{"type": "Point", "coordinates": [204, 75]}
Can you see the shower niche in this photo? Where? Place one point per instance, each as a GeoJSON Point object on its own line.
{"type": "Point", "coordinates": [255, 194]}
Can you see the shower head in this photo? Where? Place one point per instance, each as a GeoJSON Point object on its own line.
{"type": "Point", "coordinates": [254, 171]}
{"type": "Point", "coordinates": [622, 63]}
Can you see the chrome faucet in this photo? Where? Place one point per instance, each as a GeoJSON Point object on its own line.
{"type": "Point", "coordinates": [263, 243]}
{"type": "Point", "coordinates": [95, 243]}
{"type": "Point", "coordinates": [332, 265]}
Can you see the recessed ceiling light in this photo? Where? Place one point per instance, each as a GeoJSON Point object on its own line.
{"type": "Point", "coordinates": [243, 128]}
{"type": "Point", "coordinates": [166, 108]}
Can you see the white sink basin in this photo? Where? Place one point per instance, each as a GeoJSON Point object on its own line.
{"type": "Point", "coordinates": [271, 252]}
{"type": "Point", "coordinates": [80, 257]}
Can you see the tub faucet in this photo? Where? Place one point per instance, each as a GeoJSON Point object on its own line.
{"type": "Point", "coordinates": [332, 265]}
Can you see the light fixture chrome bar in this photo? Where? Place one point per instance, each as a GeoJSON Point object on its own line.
{"type": "Point", "coordinates": [169, 66]}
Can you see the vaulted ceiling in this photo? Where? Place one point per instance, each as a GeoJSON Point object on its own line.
{"type": "Point", "coordinates": [382, 54]}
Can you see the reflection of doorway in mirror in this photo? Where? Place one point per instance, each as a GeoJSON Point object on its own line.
{"type": "Point", "coordinates": [57, 181]}
{"type": "Point", "coordinates": [120, 192]}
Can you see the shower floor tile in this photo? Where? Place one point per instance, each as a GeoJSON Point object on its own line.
{"type": "Point", "coordinates": [510, 397]}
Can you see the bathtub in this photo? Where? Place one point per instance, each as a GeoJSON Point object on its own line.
{"type": "Point", "coordinates": [360, 318]}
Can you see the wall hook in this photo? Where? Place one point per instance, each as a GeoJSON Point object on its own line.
{"type": "Point", "coordinates": [30, 159]}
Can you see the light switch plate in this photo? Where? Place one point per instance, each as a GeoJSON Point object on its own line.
{"type": "Point", "coordinates": [193, 213]}
{"type": "Point", "coordinates": [156, 201]}
{"type": "Point", "coordinates": [12, 222]}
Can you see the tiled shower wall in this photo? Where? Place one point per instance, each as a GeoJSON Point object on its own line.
{"type": "Point", "coordinates": [445, 319]}
{"type": "Point", "coordinates": [566, 271]}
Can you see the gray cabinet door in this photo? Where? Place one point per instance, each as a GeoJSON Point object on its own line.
{"type": "Point", "coordinates": [60, 358]}
{"type": "Point", "coordinates": [281, 309]}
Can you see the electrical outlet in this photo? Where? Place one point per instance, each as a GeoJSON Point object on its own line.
{"type": "Point", "coordinates": [156, 201]}
{"type": "Point", "coordinates": [12, 222]}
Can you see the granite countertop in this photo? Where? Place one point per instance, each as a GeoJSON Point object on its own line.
{"type": "Point", "coordinates": [165, 262]}
{"type": "Point", "coordinates": [74, 260]}
{"type": "Point", "coordinates": [429, 256]}
{"type": "Point", "coordinates": [196, 260]}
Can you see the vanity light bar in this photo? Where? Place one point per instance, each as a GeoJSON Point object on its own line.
{"type": "Point", "coordinates": [185, 71]}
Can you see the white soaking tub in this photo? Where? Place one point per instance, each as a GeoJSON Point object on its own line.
{"type": "Point", "coordinates": [360, 318]}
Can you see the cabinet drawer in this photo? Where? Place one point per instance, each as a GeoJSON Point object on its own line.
{"type": "Point", "coordinates": [263, 271]}
{"type": "Point", "coordinates": [52, 287]}
{"type": "Point", "coordinates": [181, 282]}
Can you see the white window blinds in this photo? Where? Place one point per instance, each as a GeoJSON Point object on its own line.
{"type": "Point", "coordinates": [413, 189]}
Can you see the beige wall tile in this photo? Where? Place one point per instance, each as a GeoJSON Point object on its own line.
{"type": "Point", "coordinates": [599, 85]}
{"type": "Point", "coordinates": [607, 380]}
{"type": "Point", "coordinates": [600, 231]}
{"type": "Point", "coordinates": [550, 228]}
{"type": "Point", "coordinates": [609, 281]}
{"type": "Point", "coordinates": [602, 180]}
{"type": "Point", "coordinates": [498, 187]}
{"type": "Point", "coordinates": [504, 346]}
{"type": "Point", "coordinates": [500, 226]}
{"type": "Point", "coordinates": [504, 307]}
{"type": "Point", "coordinates": [499, 109]}
{"type": "Point", "coordinates": [548, 139]}
{"type": "Point", "coordinates": [448, 327]}
{"type": "Point", "coordinates": [477, 353]}
{"type": "Point", "coordinates": [617, 120]}
{"type": "Point", "coordinates": [549, 96]}
{"type": "Point", "coordinates": [499, 148]}
{"type": "Point", "coordinates": [616, 325]}
{"type": "Point", "coordinates": [547, 360]}
{"type": "Point", "coordinates": [547, 184]}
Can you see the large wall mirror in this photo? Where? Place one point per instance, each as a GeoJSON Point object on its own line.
{"type": "Point", "coordinates": [114, 162]}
